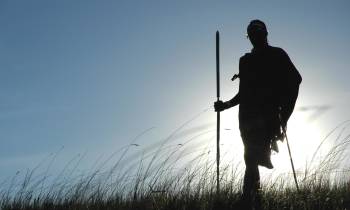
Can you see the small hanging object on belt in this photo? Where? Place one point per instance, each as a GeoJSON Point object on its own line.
{"type": "Point", "coordinates": [234, 77]}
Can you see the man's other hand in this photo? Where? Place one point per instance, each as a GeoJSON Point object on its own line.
{"type": "Point", "coordinates": [219, 106]}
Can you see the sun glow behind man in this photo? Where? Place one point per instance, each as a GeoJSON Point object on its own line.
{"type": "Point", "coordinates": [305, 138]}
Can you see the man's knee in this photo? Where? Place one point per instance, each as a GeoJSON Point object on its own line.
{"type": "Point", "coordinates": [250, 160]}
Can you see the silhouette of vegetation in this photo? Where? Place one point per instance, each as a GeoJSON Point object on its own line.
{"type": "Point", "coordinates": [177, 176]}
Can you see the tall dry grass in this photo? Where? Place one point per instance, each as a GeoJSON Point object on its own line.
{"type": "Point", "coordinates": [178, 176]}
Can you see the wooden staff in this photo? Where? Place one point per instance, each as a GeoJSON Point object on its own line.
{"type": "Point", "coordinates": [217, 113]}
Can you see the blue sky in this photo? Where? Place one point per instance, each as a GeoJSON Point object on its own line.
{"type": "Point", "coordinates": [91, 75]}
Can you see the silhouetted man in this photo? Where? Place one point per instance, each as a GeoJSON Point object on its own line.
{"type": "Point", "coordinates": [268, 89]}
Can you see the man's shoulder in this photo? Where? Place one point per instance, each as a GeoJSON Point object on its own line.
{"type": "Point", "coordinates": [271, 49]}
{"type": "Point", "coordinates": [245, 57]}
{"type": "Point", "coordinates": [277, 50]}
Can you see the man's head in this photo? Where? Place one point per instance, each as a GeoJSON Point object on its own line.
{"type": "Point", "coordinates": [257, 33]}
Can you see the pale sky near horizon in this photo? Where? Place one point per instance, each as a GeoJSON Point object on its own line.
{"type": "Point", "coordinates": [91, 75]}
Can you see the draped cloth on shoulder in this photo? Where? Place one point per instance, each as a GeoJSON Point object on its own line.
{"type": "Point", "coordinates": [269, 84]}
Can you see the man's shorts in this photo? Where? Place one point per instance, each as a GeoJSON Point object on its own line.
{"type": "Point", "coordinates": [256, 135]}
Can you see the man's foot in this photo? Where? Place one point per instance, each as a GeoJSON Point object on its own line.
{"type": "Point", "coordinates": [243, 204]}
{"type": "Point", "coordinates": [257, 202]}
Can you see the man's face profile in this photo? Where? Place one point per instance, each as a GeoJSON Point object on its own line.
{"type": "Point", "coordinates": [257, 33]}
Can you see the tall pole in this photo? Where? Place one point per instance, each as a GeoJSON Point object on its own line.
{"type": "Point", "coordinates": [290, 153]}
{"type": "Point", "coordinates": [217, 113]}
{"type": "Point", "coordinates": [291, 159]}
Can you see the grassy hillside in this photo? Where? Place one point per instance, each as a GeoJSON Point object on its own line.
{"type": "Point", "coordinates": [177, 178]}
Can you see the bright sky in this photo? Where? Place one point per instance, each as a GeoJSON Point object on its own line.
{"type": "Point", "coordinates": [92, 75]}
